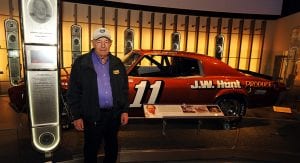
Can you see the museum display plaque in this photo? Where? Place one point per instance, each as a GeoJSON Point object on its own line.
{"type": "Point", "coordinates": [43, 98]}
{"type": "Point", "coordinates": [40, 21]}
{"type": "Point", "coordinates": [44, 108]}
{"type": "Point", "coordinates": [182, 111]}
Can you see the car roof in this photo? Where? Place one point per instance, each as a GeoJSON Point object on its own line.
{"type": "Point", "coordinates": [169, 52]}
{"type": "Point", "coordinates": [211, 65]}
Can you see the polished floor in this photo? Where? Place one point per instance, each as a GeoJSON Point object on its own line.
{"type": "Point", "coordinates": [263, 136]}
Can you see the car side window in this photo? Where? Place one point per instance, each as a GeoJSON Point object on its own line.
{"type": "Point", "coordinates": [152, 66]}
{"type": "Point", "coordinates": [166, 66]}
{"type": "Point", "coordinates": [185, 66]}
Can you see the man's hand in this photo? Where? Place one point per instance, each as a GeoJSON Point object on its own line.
{"type": "Point", "coordinates": [78, 124]}
{"type": "Point", "coordinates": [124, 119]}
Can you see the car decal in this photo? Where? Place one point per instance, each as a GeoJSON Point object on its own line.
{"type": "Point", "coordinates": [267, 84]}
{"type": "Point", "coordinates": [141, 90]}
{"type": "Point", "coordinates": [202, 84]}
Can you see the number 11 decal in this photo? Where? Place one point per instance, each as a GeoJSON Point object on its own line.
{"type": "Point", "coordinates": [141, 92]}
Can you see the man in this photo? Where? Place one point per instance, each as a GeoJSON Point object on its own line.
{"type": "Point", "coordinates": [98, 97]}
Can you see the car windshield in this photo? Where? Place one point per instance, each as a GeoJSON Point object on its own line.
{"type": "Point", "coordinates": [130, 59]}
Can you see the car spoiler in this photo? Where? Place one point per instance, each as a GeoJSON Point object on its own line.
{"type": "Point", "coordinates": [256, 74]}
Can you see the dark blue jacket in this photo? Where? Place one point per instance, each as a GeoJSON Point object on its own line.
{"type": "Point", "coordinates": [82, 95]}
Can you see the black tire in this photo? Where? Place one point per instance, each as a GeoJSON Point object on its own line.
{"type": "Point", "coordinates": [233, 107]}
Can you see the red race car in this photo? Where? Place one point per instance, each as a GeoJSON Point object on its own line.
{"type": "Point", "coordinates": [168, 77]}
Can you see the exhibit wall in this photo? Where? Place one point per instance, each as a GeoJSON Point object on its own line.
{"type": "Point", "coordinates": [249, 44]}
{"type": "Point", "coordinates": [153, 30]}
{"type": "Point", "coordinates": [287, 46]}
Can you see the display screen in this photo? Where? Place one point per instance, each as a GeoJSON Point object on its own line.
{"type": "Point", "coordinates": [38, 56]}
{"type": "Point", "coordinates": [41, 57]}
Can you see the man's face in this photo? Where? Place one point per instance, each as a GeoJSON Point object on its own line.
{"type": "Point", "coordinates": [102, 46]}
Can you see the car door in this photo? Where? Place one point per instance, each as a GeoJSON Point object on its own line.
{"type": "Point", "coordinates": [199, 88]}
{"type": "Point", "coordinates": [163, 80]}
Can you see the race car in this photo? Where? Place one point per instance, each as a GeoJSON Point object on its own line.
{"type": "Point", "coordinates": [168, 77]}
